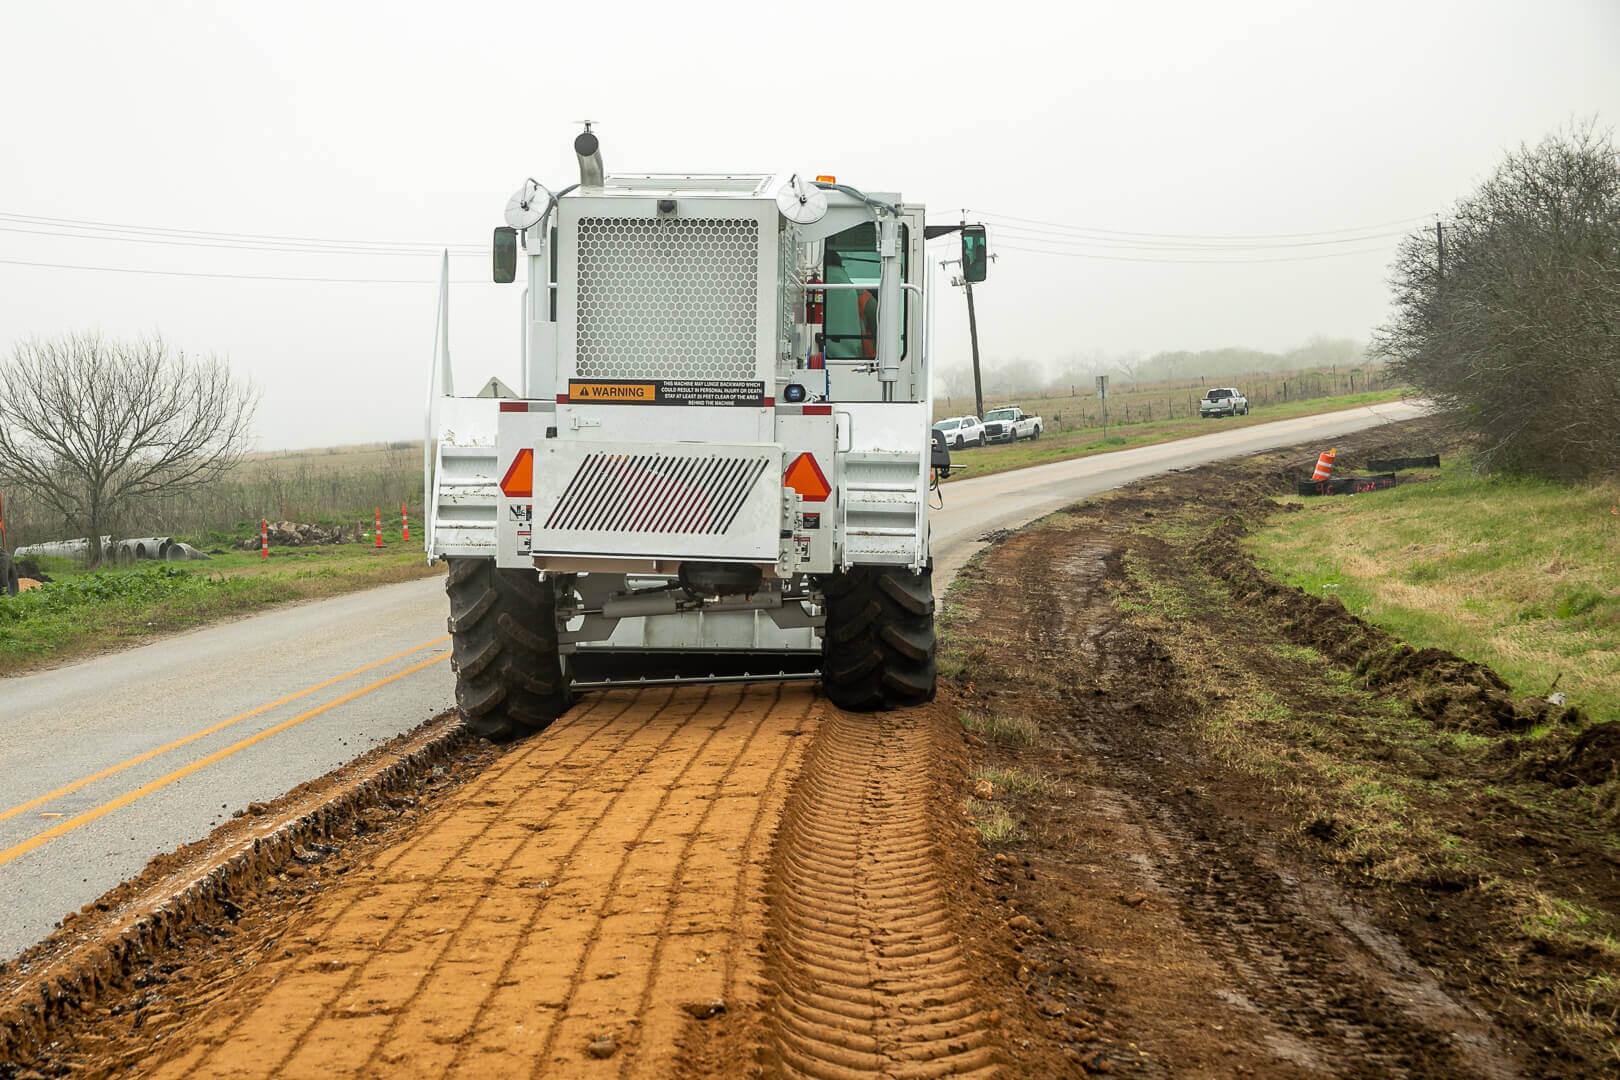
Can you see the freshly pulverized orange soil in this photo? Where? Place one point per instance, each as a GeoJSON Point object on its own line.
{"type": "Point", "coordinates": [594, 881]}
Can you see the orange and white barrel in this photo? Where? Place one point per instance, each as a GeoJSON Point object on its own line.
{"type": "Point", "coordinates": [1324, 465]}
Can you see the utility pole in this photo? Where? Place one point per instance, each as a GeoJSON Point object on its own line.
{"type": "Point", "coordinates": [973, 333]}
{"type": "Point", "coordinates": [1440, 244]}
{"type": "Point", "coordinates": [973, 319]}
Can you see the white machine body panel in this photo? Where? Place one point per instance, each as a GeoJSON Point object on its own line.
{"type": "Point", "coordinates": [674, 374]}
{"type": "Point", "coordinates": [705, 501]}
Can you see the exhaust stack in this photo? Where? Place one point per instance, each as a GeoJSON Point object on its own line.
{"type": "Point", "coordinates": [589, 151]}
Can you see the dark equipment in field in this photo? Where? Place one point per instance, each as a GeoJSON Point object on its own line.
{"type": "Point", "coordinates": [1346, 485]}
{"type": "Point", "coordinates": [1384, 465]}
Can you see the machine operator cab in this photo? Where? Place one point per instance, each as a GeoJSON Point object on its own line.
{"type": "Point", "coordinates": [837, 350]}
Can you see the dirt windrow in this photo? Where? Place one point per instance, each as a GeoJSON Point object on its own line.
{"type": "Point", "coordinates": [1258, 836]}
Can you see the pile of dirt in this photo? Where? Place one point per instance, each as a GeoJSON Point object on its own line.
{"type": "Point", "coordinates": [302, 534]}
{"type": "Point", "coordinates": [1587, 759]}
{"type": "Point", "coordinates": [1444, 689]}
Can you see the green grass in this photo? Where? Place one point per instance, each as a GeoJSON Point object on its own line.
{"type": "Point", "coordinates": [1523, 575]}
{"type": "Point", "coordinates": [1011, 781]}
{"type": "Point", "coordinates": [81, 612]}
{"type": "Point", "coordinates": [1084, 442]}
{"type": "Point", "coordinates": [996, 826]}
{"type": "Point", "coordinates": [999, 728]}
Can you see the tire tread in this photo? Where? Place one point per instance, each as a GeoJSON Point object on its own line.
{"type": "Point", "coordinates": [878, 647]}
{"type": "Point", "coordinates": [509, 677]}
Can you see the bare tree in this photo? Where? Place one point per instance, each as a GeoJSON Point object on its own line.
{"type": "Point", "coordinates": [1515, 329]}
{"type": "Point", "coordinates": [93, 426]}
{"type": "Point", "coordinates": [1132, 364]}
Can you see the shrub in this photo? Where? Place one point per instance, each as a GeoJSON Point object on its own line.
{"type": "Point", "coordinates": [1519, 335]}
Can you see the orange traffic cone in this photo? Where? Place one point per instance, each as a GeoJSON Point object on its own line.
{"type": "Point", "coordinates": [1324, 465]}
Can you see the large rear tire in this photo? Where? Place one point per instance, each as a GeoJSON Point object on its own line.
{"type": "Point", "coordinates": [877, 649]}
{"type": "Point", "coordinates": [9, 579]}
{"type": "Point", "coordinates": [510, 680]}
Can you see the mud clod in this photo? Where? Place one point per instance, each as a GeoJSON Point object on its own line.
{"type": "Point", "coordinates": [704, 1010]}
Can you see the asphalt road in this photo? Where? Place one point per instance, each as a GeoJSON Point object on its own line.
{"type": "Point", "coordinates": [114, 760]}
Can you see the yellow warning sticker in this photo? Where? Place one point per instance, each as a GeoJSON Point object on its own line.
{"type": "Point", "coordinates": [613, 391]}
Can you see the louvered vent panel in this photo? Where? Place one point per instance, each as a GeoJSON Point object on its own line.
{"type": "Point", "coordinates": [648, 494]}
{"type": "Point", "coordinates": [667, 298]}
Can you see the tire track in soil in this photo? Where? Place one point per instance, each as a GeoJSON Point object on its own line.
{"type": "Point", "coordinates": [1337, 996]}
{"type": "Point", "coordinates": [870, 976]}
{"type": "Point", "coordinates": [599, 879]}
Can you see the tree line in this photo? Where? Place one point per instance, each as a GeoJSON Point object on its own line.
{"type": "Point", "coordinates": [1507, 314]}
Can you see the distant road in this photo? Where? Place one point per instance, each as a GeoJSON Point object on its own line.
{"type": "Point", "coordinates": [116, 759]}
{"type": "Point", "coordinates": [975, 507]}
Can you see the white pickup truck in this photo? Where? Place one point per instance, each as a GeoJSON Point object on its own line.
{"type": "Point", "coordinates": [1009, 424]}
{"type": "Point", "coordinates": [1223, 401]}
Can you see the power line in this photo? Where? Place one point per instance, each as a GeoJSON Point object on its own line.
{"type": "Point", "coordinates": [1191, 262]}
{"type": "Point", "coordinates": [237, 277]}
{"type": "Point", "coordinates": [1071, 226]}
{"type": "Point", "coordinates": [232, 245]}
{"type": "Point", "coordinates": [162, 231]}
{"type": "Point", "coordinates": [1020, 232]}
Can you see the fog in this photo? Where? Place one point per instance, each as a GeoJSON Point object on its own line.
{"type": "Point", "coordinates": [1156, 178]}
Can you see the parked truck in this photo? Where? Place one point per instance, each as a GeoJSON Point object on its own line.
{"type": "Point", "coordinates": [1010, 424]}
{"type": "Point", "coordinates": [717, 464]}
{"type": "Point", "coordinates": [1223, 401]}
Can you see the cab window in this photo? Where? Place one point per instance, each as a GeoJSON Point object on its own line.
{"type": "Point", "coordinates": [851, 315]}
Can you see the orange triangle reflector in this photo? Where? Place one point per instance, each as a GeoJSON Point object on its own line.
{"type": "Point", "coordinates": [518, 483]}
{"type": "Point", "coordinates": [806, 477]}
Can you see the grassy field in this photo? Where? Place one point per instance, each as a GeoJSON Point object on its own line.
{"type": "Point", "coordinates": [1076, 407]}
{"type": "Point", "coordinates": [1082, 442]}
{"type": "Point", "coordinates": [1522, 575]}
{"type": "Point", "coordinates": [81, 613]}
{"type": "Point", "coordinates": [338, 485]}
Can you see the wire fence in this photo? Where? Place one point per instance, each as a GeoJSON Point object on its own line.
{"type": "Point", "coordinates": [342, 487]}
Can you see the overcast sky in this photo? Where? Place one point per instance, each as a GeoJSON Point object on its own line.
{"type": "Point", "coordinates": [411, 123]}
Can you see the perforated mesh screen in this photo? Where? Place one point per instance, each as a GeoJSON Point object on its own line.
{"type": "Point", "coordinates": [667, 298]}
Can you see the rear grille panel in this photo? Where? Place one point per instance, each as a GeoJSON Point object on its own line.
{"type": "Point", "coordinates": [691, 495]}
{"type": "Point", "coordinates": [667, 298]}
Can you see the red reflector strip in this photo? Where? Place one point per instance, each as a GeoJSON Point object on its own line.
{"type": "Point", "coordinates": [562, 399]}
{"type": "Point", "coordinates": [818, 410]}
{"type": "Point", "coordinates": [514, 406]}
{"type": "Point", "coordinates": [770, 402]}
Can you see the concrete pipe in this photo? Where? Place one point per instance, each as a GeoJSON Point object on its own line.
{"type": "Point", "coordinates": [63, 549]}
{"type": "Point", "coordinates": [147, 547]}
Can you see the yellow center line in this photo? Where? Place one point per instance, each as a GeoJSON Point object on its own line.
{"type": "Point", "coordinates": [201, 763]}
{"type": "Point", "coordinates": [150, 754]}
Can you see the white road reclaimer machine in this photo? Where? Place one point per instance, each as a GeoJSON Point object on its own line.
{"type": "Point", "coordinates": [717, 466]}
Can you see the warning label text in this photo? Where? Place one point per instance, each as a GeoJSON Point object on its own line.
{"type": "Point", "coordinates": [667, 392]}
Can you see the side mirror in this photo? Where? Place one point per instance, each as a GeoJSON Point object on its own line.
{"type": "Point", "coordinates": [975, 253]}
{"type": "Point", "coordinates": [505, 255]}
{"type": "Point", "coordinates": [939, 455]}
